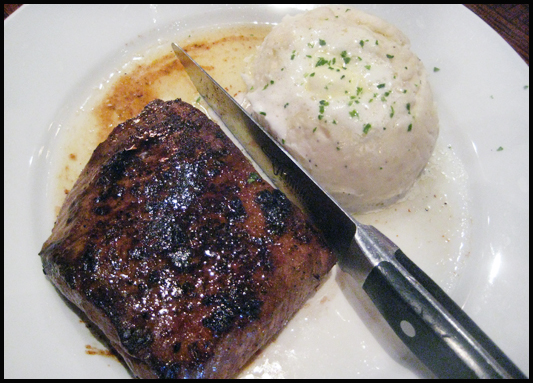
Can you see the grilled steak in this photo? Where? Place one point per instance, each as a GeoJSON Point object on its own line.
{"type": "Point", "coordinates": [178, 251]}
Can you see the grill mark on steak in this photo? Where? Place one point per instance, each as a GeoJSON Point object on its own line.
{"type": "Point", "coordinates": [184, 264]}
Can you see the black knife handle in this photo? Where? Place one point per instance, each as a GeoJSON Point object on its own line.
{"type": "Point", "coordinates": [450, 345]}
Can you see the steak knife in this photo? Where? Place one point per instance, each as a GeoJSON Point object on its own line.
{"type": "Point", "coordinates": [421, 314]}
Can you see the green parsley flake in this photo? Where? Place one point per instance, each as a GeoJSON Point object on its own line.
{"type": "Point", "coordinates": [362, 43]}
{"type": "Point", "coordinates": [345, 57]}
{"type": "Point", "coordinates": [408, 107]}
{"type": "Point", "coordinates": [321, 61]}
{"type": "Point", "coordinates": [263, 113]}
{"type": "Point", "coordinates": [391, 112]}
{"type": "Point", "coordinates": [410, 127]}
{"type": "Point", "coordinates": [390, 56]}
{"type": "Point", "coordinates": [366, 128]}
{"type": "Point", "coordinates": [499, 149]}
{"type": "Point", "coordinates": [321, 42]}
{"type": "Point", "coordinates": [253, 177]}
{"type": "Point", "coordinates": [435, 69]}
{"type": "Point", "coordinates": [322, 105]}
{"type": "Point", "coordinates": [381, 86]}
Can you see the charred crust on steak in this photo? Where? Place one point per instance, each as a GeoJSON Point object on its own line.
{"type": "Point", "coordinates": [239, 304]}
{"type": "Point", "coordinates": [186, 266]}
{"type": "Point", "coordinates": [276, 207]}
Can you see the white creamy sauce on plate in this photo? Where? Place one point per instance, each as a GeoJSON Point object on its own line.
{"type": "Point", "coordinates": [431, 224]}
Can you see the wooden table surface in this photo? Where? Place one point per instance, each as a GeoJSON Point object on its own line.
{"type": "Point", "coordinates": [511, 21]}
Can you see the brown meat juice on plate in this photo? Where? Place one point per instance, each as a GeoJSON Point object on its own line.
{"type": "Point", "coordinates": [157, 74]}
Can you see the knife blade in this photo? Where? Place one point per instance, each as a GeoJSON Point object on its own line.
{"type": "Point", "coordinates": [421, 314]}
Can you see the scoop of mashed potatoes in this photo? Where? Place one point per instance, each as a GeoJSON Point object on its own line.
{"type": "Point", "coordinates": [341, 90]}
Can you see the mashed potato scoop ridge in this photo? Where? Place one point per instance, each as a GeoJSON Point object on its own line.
{"type": "Point", "coordinates": [342, 91]}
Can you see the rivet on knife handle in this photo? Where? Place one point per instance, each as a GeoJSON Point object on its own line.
{"type": "Point", "coordinates": [423, 316]}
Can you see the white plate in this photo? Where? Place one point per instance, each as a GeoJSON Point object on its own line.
{"type": "Point", "coordinates": [54, 54]}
